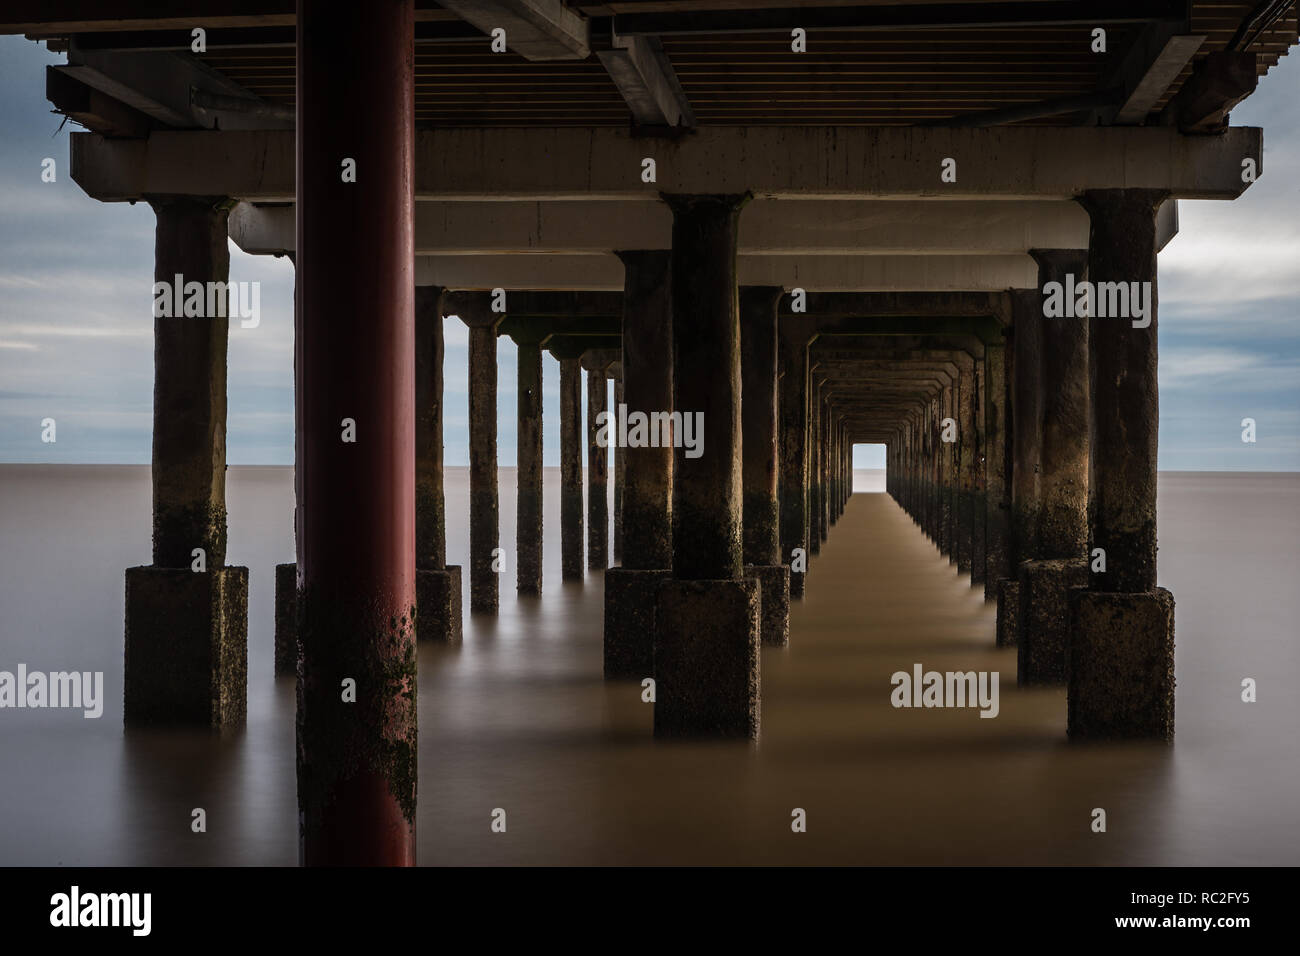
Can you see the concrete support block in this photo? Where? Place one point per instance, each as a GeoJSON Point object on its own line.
{"type": "Point", "coordinates": [707, 659]}
{"type": "Point", "coordinates": [630, 599]}
{"type": "Point", "coordinates": [1121, 665]}
{"type": "Point", "coordinates": [286, 619]}
{"type": "Point", "coordinates": [774, 588]}
{"type": "Point", "coordinates": [1008, 612]}
{"type": "Point", "coordinates": [1044, 638]}
{"type": "Point", "coordinates": [186, 656]}
{"type": "Point", "coordinates": [438, 615]}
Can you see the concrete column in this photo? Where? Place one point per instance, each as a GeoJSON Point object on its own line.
{"type": "Point", "coordinates": [843, 469]}
{"type": "Point", "coordinates": [707, 633]}
{"type": "Point", "coordinates": [792, 350]}
{"type": "Point", "coordinates": [934, 451]}
{"type": "Point", "coordinates": [356, 435]}
{"type": "Point", "coordinates": [286, 575]}
{"type": "Point", "coordinates": [846, 466]}
{"type": "Point", "coordinates": [1053, 561]}
{"type": "Point", "coordinates": [437, 586]}
{"type": "Point", "coordinates": [647, 387]}
{"type": "Point", "coordinates": [475, 310]}
{"type": "Point", "coordinates": [925, 432]}
{"type": "Point", "coordinates": [814, 464]}
{"type": "Point", "coordinates": [978, 476]}
{"type": "Point", "coordinates": [837, 469]}
{"type": "Point", "coordinates": [570, 465]}
{"type": "Point", "coordinates": [632, 590]}
{"type": "Point", "coordinates": [620, 476]}
{"type": "Point", "coordinates": [528, 513]}
{"type": "Point", "coordinates": [761, 436]}
{"type": "Point", "coordinates": [948, 475]}
{"type": "Point", "coordinates": [1026, 419]}
{"type": "Point", "coordinates": [597, 471]}
{"type": "Point", "coordinates": [186, 635]}
{"type": "Point", "coordinates": [996, 471]}
{"type": "Point", "coordinates": [827, 435]}
{"type": "Point", "coordinates": [1121, 681]}
{"type": "Point", "coordinates": [964, 453]}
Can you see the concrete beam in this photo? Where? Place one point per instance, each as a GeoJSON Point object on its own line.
{"type": "Point", "coordinates": [768, 227]}
{"type": "Point", "coordinates": [825, 162]}
{"type": "Point", "coordinates": [824, 273]}
{"type": "Point", "coordinates": [871, 305]}
{"type": "Point", "coordinates": [173, 88]}
{"type": "Point", "coordinates": [1220, 81]}
{"type": "Point", "coordinates": [645, 78]}
{"type": "Point", "coordinates": [535, 29]}
{"type": "Point", "coordinates": [1151, 68]}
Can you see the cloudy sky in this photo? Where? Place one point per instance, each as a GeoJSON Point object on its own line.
{"type": "Point", "coordinates": [76, 329]}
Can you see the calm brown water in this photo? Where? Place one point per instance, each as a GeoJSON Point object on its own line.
{"type": "Point", "coordinates": [519, 718]}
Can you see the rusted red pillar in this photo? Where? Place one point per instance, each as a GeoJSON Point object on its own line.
{"type": "Point", "coordinates": [355, 471]}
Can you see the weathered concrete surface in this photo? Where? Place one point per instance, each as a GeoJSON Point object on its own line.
{"type": "Point", "coordinates": [571, 504]}
{"type": "Point", "coordinates": [631, 595]}
{"type": "Point", "coordinates": [792, 352]}
{"type": "Point", "coordinates": [484, 503]}
{"type": "Point", "coordinates": [597, 473]}
{"type": "Point", "coordinates": [430, 500]}
{"type": "Point", "coordinates": [1121, 665]}
{"type": "Point", "coordinates": [965, 455]}
{"type": "Point", "coordinates": [707, 498]}
{"type": "Point", "coordinates": [1125, 394]}
{"type": "Point", "coordinates": [1008, 612]}
{"type": "Point", "coordinates": [528, 507]}
{"type": "Point", "coordinates": [1044, 622]}
{"type": "Point", "coordinates": [202, 678]}
{"type": "Point", "coordinates": [286, 619]}
{"type": "Point", "coordinates": [1025, 417]}
{"type": "Point", "coordinates": [186, 631]}
{"type": "Point", "coordinates": [631, 590]}
{"type": "Point", "coordinates": [647, 386]}
{"type": "Point", "coordinates": [437, 584]}
{"type": "Point", "coordinates": [707, 617]}
{"type": "Point", "coordinates": [1122, 630]}
{"type": "Point", "coordinates": [706, 664]}
{"type": "Point", "coordinates": [829, 273]}
{"type": "Point", "coordinates": [947, 477]}
{"type": "Point", "coordinates": [771, 227]}
{"type": "Point", "coordinates": [189, 392]}
{"type": "Point", "coordinates": [620, 477]}
{"type": "Point", "coordinates": [774, 595]}
{"type": "Point", "coordinates": [1052, 550]}
{"type": "Point", "coordinates": [1063, 431]}
{"type": "Point", "coordinates": [759, 423]}
{"type": "Point", "coordinates": [997, 472]}
{"type": "Point", "coordinates": [814, 463]}
{"type": "Point", "coordinates": [439, 616]}
{"type": "Point", "coordinates": [773, 161]}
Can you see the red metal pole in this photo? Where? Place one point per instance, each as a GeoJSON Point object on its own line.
{"type": "Point", "coordinates": [356, 498]}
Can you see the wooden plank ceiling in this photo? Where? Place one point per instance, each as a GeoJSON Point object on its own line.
{"type": "Point", "coordinates": [882, 76]}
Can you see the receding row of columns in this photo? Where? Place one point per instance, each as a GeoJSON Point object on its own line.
{"type": "Point", "coordinates": [1062, 420]}
{"type": "Point", "coordinates": [1021, 455]}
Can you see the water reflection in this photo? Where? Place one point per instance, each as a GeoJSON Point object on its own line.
{"type": "Point", "coordinates": [519, 718]}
